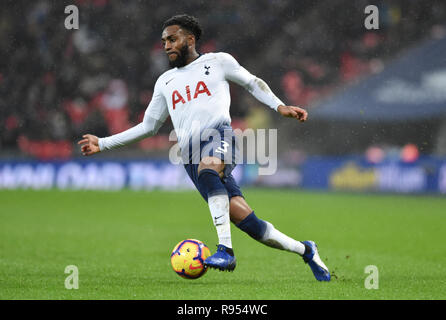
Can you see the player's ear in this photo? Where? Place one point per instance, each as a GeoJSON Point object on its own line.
{"type": "Point", "coordinates": [190, 40]}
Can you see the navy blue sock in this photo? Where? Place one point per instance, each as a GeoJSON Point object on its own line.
{"type": "Point", "coordinates": [253, 226]}
{"type": "Point", "coordinates": [210, 183]}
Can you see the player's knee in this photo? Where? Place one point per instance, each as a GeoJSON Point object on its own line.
{"type": "Point", "coordinates": [211, 163]}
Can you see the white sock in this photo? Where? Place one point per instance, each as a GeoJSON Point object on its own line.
{"type": "Point", "coordinates": [219, 207]}
{"type": "Point", "coordinates": [276, 239]}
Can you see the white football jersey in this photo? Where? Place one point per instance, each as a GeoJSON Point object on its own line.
{"type": "Point", "coordinates": [199, 92]}
{"type": "Point", "coordinates": [196, 97]}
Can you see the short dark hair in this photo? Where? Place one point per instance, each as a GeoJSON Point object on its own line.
{"type": "Point", "coordinates": [187, 22]}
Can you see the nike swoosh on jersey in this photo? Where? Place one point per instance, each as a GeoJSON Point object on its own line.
{"type": "Point", "coordinates": [169, 81]}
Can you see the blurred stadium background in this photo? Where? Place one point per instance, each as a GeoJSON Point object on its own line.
{"type": "Point", "coordinates": [377, 124]}
{"type": "Point", "coordinates": [376, 98]}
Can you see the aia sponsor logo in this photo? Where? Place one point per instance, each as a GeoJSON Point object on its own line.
{"type": "Point", "coordinates": [200, 88]}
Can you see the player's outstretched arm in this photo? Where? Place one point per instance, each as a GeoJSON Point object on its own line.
{"type": "Point", "coordinates": [293, 112]}
{"type": "Point", "coordinates": [147, 128]}
{"type": "Point", "coordinates": [258, 88]}
{"type": "Point", "coordinates": [154, 117]}
{"type": "Point", "coordinates": [89, 145]}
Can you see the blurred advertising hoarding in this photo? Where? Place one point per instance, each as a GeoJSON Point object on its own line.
{"type": "Point", "coordinates": [426, 175]}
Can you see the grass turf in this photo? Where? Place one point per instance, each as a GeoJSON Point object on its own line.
{"type": "Point", "coordinates": [121, 243]}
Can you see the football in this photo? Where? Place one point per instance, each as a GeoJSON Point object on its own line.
{"type": "Point", "coordinates": [188, 257]}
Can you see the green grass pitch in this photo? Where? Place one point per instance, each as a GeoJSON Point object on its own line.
{"type": "Point", "coordinates": [121, 243]}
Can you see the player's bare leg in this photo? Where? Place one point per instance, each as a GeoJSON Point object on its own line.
{"type": "Point", "coordinates": [210, 172]}
{"type": "Point", "coordinates": [245, 219]}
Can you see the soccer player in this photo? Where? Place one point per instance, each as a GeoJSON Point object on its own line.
{"type": "Point", "coordinates": [196, 89]}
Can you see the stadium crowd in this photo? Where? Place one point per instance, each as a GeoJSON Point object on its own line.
{"type": "Point", "coordinates": [56, 84]}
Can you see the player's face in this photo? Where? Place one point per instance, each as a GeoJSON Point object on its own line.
{"type": "Point", "coordinates": [175, 44]}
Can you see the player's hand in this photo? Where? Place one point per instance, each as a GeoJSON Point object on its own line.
{"type": "Point", "coordinates": [90, 144]}
{"type": "Point", "coordinates": [293, 112]}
